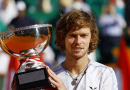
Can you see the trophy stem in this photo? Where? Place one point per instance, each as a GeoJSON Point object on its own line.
{"type": "Point", "coordinates": [30, 63]}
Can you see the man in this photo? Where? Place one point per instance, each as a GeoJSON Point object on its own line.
{"type": "Point", "coordinates": [77, 35]}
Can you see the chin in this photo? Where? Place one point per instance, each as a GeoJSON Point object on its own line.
{"type": "Point", "coordinates": [77, 56]}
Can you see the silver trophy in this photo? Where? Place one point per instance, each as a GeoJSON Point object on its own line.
{"type": "Point", "coordinates": [26, 44]}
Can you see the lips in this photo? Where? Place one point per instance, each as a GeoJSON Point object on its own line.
{"type": "Point", "coordinates": [77, 49]}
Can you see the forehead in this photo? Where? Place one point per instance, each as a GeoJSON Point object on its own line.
{"type": "Point", "coordinates": [84, 30]}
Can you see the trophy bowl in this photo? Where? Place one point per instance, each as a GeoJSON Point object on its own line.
{"type": "Point", "coordinates": [26, 44]}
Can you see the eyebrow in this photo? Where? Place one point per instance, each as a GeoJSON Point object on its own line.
{"type": "Point", "coordinates": [80, 33]}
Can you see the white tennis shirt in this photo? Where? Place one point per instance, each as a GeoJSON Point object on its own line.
{"type": "Point", "coordinates": [97, 77]}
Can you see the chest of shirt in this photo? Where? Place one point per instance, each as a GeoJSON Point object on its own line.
{"type": "Point", "coordinates": [87, 82]}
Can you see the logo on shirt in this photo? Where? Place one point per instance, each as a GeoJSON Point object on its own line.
{"type": "Point", "coordinates": [93, 88]}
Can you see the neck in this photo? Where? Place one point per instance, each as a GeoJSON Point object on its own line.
{"type": "Point", "coordinates": [76, 66]}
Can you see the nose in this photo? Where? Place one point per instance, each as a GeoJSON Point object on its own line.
{"type": "Point", "coordinates": [78, 39]}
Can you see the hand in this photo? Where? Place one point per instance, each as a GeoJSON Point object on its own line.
{"type": "Point", "coordinates": [55, 80]}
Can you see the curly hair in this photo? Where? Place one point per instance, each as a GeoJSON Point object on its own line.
{"type": "Point", "coordinates": [74, 20]}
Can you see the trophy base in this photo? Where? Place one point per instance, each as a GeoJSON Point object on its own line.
{"type": "Point", "coordinates": [33, 79]}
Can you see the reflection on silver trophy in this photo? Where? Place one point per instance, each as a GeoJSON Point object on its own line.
{"type": "Point", "coordinates": [26, 44]}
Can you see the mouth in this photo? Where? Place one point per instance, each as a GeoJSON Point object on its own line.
{"type": "Point", "coordinates": [77, 49]}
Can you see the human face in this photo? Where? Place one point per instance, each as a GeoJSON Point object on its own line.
{"type": "Point", "coordinates": [77, 42]}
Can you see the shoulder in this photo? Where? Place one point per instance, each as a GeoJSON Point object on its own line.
{"type": "Point", "coordinates": [102, 73]}
{"type": "Point", "coordinates": [95, 65]}
{"type": "Point", "coordinates": [100, 69]}
{"type": "Point", "coordinates": [106, 76]}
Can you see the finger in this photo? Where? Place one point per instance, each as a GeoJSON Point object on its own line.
{"type": "Point", "coordinates": [52, 74]}
{"type": "Point", "coordinates": [50, 71]}
{"type": "Point", "coordinates": [54, 84]}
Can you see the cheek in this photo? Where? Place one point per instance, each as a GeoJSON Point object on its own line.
{"type": "Point", "coordinates": [87, 42]}
{"type": "Point", "coordinates": [69, 41]}
{"type": "Point", "coordinates": [88, 39]}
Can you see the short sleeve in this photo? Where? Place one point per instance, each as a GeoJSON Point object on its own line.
{"type": "Point", "coordinates": [108, 80]}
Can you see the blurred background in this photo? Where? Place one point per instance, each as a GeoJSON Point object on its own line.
{"type": "Point", "coordinates": [113, 20]}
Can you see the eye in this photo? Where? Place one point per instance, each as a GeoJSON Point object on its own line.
{"type": "Point", "coordinates": [84, 35]}
{"type": "Point", "coordinates": [72, 35]}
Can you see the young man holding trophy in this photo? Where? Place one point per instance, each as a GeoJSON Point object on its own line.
{"type": "Point", "coordinates": [77, 36]}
